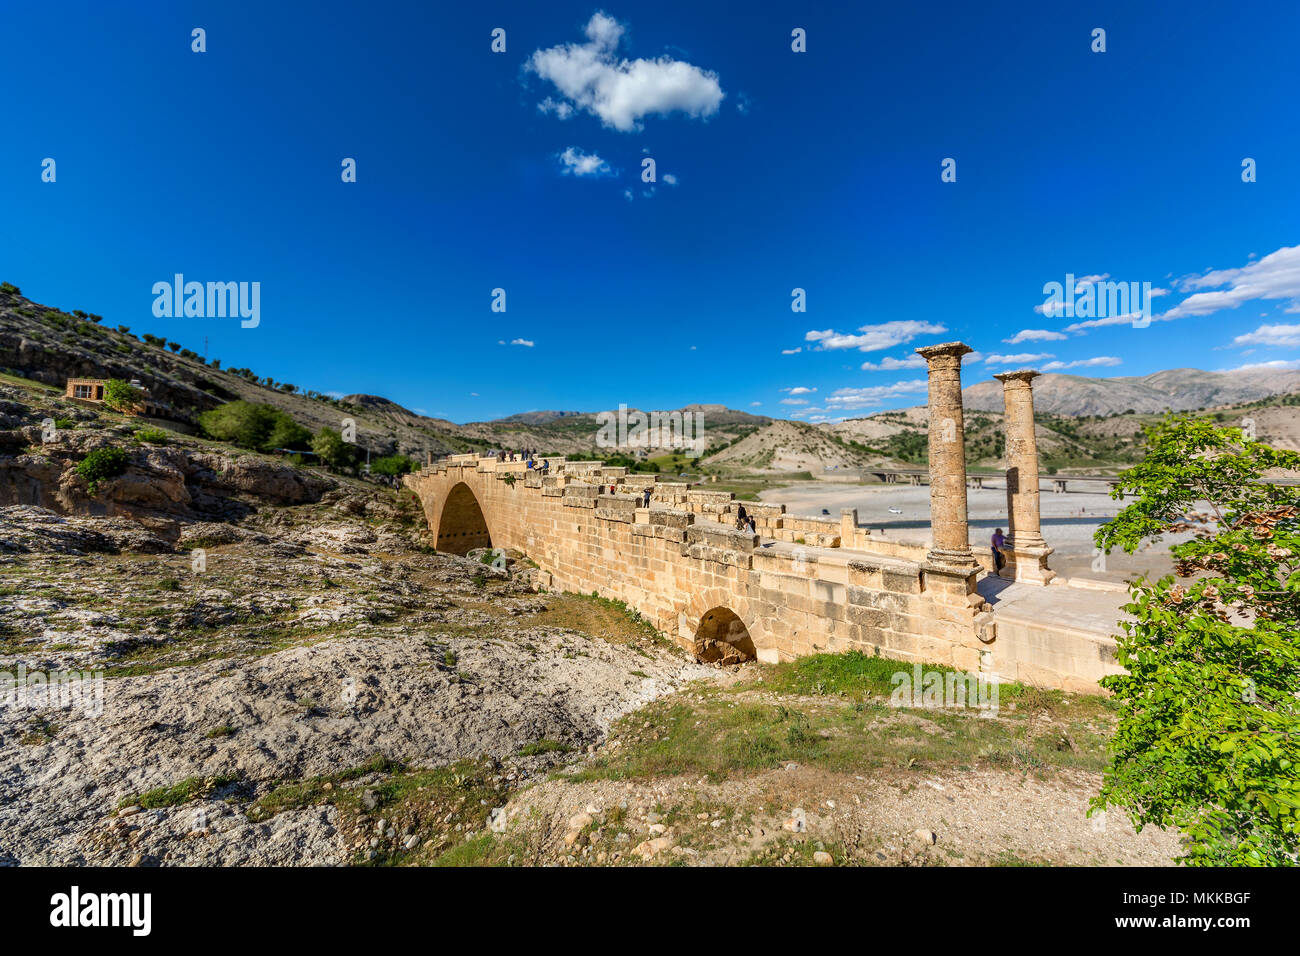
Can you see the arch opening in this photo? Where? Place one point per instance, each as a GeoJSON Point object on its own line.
{"type": "Point", "coordinates": [722, 638]}
{"type": "Point", "coordinates": [462, 527]}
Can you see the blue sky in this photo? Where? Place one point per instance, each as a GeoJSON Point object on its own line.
{"type": "Point", "coordinates": [775, 170]}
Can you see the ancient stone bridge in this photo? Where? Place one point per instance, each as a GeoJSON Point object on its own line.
{"type": "Point", "coordinates": [801, 585]}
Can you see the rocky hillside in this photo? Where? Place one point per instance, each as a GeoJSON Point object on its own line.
{"type": "Point", "coordinates": [45, 344]}
{"type": "Point", "coordinates": [40, 343]}
{"type": "Point", "coordinates": [1066, 443]}
{"type": "Point", "coordinates": [1179, 389]}
{"type": "Point", "coordinates": [789, 446]}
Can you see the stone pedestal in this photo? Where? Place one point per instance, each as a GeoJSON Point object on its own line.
{"type": "Point", "coordinates": [1025, 550]}
{"type": "Point", "coordinates": [951, 534]}
{"type": "Point", "coordinates": [848, 527]}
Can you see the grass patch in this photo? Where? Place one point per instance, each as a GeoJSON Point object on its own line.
{"type": "Point", "coordinates": [39, 731]}
{"type": "Point", "coordinates": [440, 806]}
{"type": "Point", "coordinates": [544, 746]}
{"type": "Point", "coordinates": [598, 617]}
{"type": "Point", "coordinates": [848, 725]}
{"type": "Point", "coordinates": [191, 788]}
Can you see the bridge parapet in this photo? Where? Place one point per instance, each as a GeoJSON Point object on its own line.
{"type": "Point", "coordinates": [723, 592]}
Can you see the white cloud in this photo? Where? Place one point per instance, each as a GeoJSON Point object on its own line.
{"type": "Point", "coordinates": [755, 404]}
{"type": "Point", "coordinates": [891, 364]}
{"type": "Point", "coordinates": [873, 396]}
{"type": "Point", "coordinates": [561, 109]}
{"type": "Point", "coordinates": [574, 162]}
{"type": "Point", "coordinates": [799, 390]}
{"type": "Point", "coordinates": [527, 343]}
{"type": "Point", "coordinates": [590, 76]}
{"type": "Point", "coordinates": [1055, 308]}
{"type": "Point", "coordinates": [1275, 365]}
{"type": "Point", "coordinates": [1035, 335]}
{"type": "Point", "coordinates": [1126, 319]}
{"type": "Point", "coordinates": [670, 179]}
{"type": "Point", "coordinates": [1276, 276]}
{"type": "Point", "coordinates": [792, 351]}
{"type": "Point", "coordinates": [1019, 358]}
{"type": "Point", "coordinates": [1278, 336]}
{"type": "Point", "coordinates": [794, 401]}
{"type": "Point", "coordinates": [1100, 360]}
{"type": "Point", "coordinates": [871, 338]}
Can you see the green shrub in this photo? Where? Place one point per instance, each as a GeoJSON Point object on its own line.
{"type": "Point", "coordinates": [154, 436]}
{"type": "Point", "coordinates": [392, 465]}
{"type": "Point", "coordinates": [254, 426]}
{"type": "Point", "coordinates": [100, 465]}
{"type": "Point", "coordinates": [10, 288]}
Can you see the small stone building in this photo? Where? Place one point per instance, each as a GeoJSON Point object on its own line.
{"type": "Point", "coordinates": [85, 389]}
{"type": "Point", "coordinates": [92, 390]}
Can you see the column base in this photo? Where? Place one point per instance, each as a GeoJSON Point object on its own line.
{"type": "Point", "coordinates": [952, 584]}
{"type": "Point", "coordinates": [963, 559]}
{"type": "Point", "coordinates": [1027, 561]}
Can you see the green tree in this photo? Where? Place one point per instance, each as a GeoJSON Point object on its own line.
{"type": "Point", "coordinates": [122, 396]}
{"type": "Point", "coordinates": [333, 450]}
{"type": "Point", "coordinates": [1209, 724]}
{"type": "Point", "coordinates": [392, 465]}
{"type": "Point", "coordinates": [255, 426]}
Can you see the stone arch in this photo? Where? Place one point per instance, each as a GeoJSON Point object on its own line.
{"type": "Point", "coordinates": [713, 619]}
{"type": "Point", "coordinates": [723, 638]}
{"type": "Point", "coordinates": [462, 525]}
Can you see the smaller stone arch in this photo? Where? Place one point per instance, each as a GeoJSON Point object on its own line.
{"type": "Point", "coordinates": [720, 629]}
{"type": "Point", "coordinates": [723, 638]}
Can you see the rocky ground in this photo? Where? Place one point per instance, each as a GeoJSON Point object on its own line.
{"type": "Point", "coordinates": [290, 676]}
{"type": "Point", "coordinates": [323, 648]}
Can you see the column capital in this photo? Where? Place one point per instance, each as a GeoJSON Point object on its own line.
{"type": "Point", "coordinates": [957, 349]}
{"type": "Point", "coordinates": [1019, 375]}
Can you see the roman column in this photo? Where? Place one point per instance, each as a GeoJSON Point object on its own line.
{"type": "Point", "coordinates": [1026, 551]}
{"type": "Point", "coordinates": [951, 535]}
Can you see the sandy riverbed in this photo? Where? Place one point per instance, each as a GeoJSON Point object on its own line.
{"type": "Point", "coordinates": [1068, 520]}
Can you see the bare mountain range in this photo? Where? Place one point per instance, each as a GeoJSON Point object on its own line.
{"type": "Point", "coordinates": [48, 345]}
{"type": "Point", "coordinates": [1175, 389]}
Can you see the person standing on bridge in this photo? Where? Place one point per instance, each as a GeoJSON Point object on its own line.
{"type": "Point", "coordinates": [998, 560]}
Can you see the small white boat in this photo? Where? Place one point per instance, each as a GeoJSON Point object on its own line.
{"type": "Point", "coordinates": [895, 511]}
